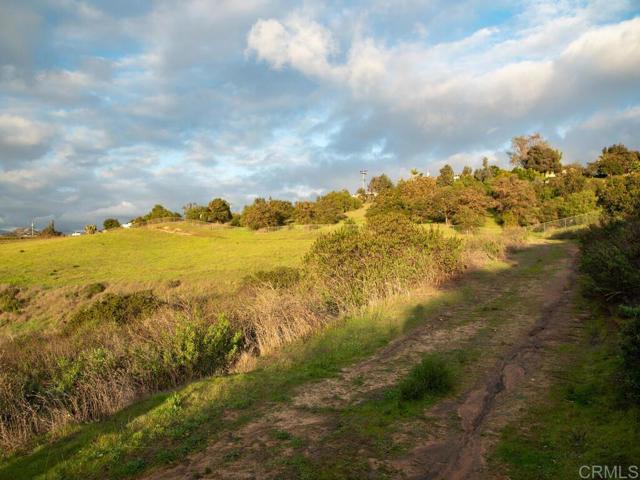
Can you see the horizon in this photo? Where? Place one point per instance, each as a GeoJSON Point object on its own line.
{"type": "Point", "coordinates": [111, 107]}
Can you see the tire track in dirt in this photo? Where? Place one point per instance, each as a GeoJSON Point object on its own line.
{"type": "Point", "coordinates": [458, 451]}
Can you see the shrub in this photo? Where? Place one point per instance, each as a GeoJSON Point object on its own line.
{"type": "Point", "coordinates": [468, 219]}
{"type": "Point", "coordinates": [611, 260]}
{"type": "Point", "coordinates": [379, 184]}
{"type": "Point", "coordinates": [198, 348]}
{"type": "Point", "coordinates": [578, 203]}
{"type": "Point", "coordinates": [266, 213]}
{"type": "Point", "coordinates": [156, 213]}
{"type": "Point", "coordinates": [431, 377]}
{"type": "Point", "coordinates": [217, 211]}
{"type": "Point", "coordinates": [516, 200]}
{"type": "Point", "coordinates": [388, 201]}
{"type": "Point", "coordinates": [630, 352]}
{"type": "Point", "coordinates": [236, 220]}
{"type": "Point", "coordinates": [50, 231]}
{"type": "Point", "coordinates": [90, 229]}
{"type": "Point", "coordinates": [354, 266]}
{"type": "Point", "coordinates": [619, 197]}
{"type": "Point", "coordinates": [117, 308]}
{"type": "Point", "coordinates": [110, 223]}
{"type": "Point", "coordinates": [279, 277]}
{"type": "Point", "coordinates": [10, 300]}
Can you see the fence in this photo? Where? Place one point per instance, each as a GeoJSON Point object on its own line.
{"type": "Point", "coordinates": [155, 221]}
{"type": "Point", "coordinates": [584, 219]}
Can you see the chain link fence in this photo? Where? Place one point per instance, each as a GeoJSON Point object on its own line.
{"type": "Point", "coordinates": [584, 219]}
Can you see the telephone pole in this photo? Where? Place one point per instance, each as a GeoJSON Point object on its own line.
{"type": "Point", "coordinates": [364, 179]}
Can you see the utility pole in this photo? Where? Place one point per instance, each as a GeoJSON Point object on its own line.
{"type": "Point", "coordinates": [364, 179]}
{"type": "Point", "coordinates": [32, 222]}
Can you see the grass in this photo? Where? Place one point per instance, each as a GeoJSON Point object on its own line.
{"type": "Point", "coordinates": [168, 426]}
{"type": "Point", "coordinates": [585, 420]}
{"type": "Point", "coordinates": [432, 376]}
{"type": "Point", "coordinates": [161, 430]}
{"type": "Point", "coordinates": [161, 253]}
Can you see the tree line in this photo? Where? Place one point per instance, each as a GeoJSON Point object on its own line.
{"type": "Point", "coordinates": [538, 188]}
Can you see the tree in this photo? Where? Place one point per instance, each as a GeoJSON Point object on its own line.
{"type": "Point", "coordinates": [263, 213]}
{"type": "Point", "coordinates": [578, 203]}
{"type": "Point", "coordinates": [362, 194]}
{"type": "Point", "coordinates": [219, 211]}
{"type": "Point", "coordinates": [521, 145]}
{"type": "Point", "coordinates": [466, 172]}
{"type": "Point", "coordinates": [110, 223]}
{"type": "Point", "coordinates": [615, 160]}
{"type": "Point", "coordinates": [388, 201]}
{"type": "Point", "coordinates": [342, 200]}
{"type": "Point", "coordinates": [416, 196]}
{"type": "Point", "coordinates": [446, 176]}
{"type": "Point", "coordinates": [50, 231]}
{"type": "Point", "coordinates": [157, 212]}
{"type": "Point", "coordinates": [572, 181]}
{"type": "Point", "coordinates": [193, 211]}
{"type": "Point", "coordinates": [304, 213]}
{"type": "Point", "coordinates": [460, 202]}
{"type": "Point", "coordinates": [516, 200]}
{"type": "Point", "coordinates": [485, 173]}
{"type": "Point", "coordinates": [543, 159]}
{"type": "Point", "coordinates": [619, 197]}
{"type": "Point", "coordinates": [380, 184]}
{"type": "Point", "coordinates": [90, 229]}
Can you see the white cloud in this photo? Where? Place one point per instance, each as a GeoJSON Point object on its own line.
{"type": "Point", "coordinates": [302, 43]}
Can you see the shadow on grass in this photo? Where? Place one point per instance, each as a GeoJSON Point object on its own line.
{"type": "Point", "coordinates": [320, 356]}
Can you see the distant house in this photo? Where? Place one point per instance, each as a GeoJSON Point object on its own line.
{"type": "Point", "coordinates": [127, 225]}
{"type": "Point", "coordinates": [77, 234]}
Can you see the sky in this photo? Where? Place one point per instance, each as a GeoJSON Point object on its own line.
{"type": "Point", "coordinates": [109, 107]}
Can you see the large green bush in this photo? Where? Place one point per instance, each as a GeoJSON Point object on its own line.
{"type": "Point", "coordinates": [354, 265]}
{"type": "Point", "coordinates": [611, 261]}
{"type": "Point", "coordinates": [117, 308]}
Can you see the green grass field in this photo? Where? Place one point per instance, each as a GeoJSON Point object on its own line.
{"type": "Point", "coordinates": [174, 251]}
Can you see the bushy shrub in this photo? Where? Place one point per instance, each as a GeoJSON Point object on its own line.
{"type": "Point", "coordinates": [110, 223]}
{"type": "Point", "coordinates": [354, 266]}
{"type": "Point", "coordinates": [156, 213]}
{"type": "Point", "coordinates": [266, 213]}
{"type": "Point", "coordinates": [279, 277]}
{"type": "Point", "coordinates": [611, 260]}
{"type": "Point", "coordinates": [619, 197]}
{"type": "Point", "coordinates": [388, 201]}
{"type": "Point", "coordinates": [630, 352]}
{"type": "Point", "coordinates": [431, 377]}
{"type": "Point", "coordinates": [198, 348]}
{"type": "Point", "coordinates": [217, 211]}
{"type": "Point", "coordinates": [117, 308]}
{"type": "Point", "coordinates": [50, 231]}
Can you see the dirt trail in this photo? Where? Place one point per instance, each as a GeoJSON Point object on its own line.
{"type": "Point", "coordinates": [459, 453]}
{"type": "Point", "coordinates": [451, 440]}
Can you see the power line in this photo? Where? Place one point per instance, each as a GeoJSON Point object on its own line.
{"type": "Point", "coordinates": [364, 179]}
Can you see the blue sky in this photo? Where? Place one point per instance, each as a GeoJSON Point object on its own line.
{"type": "Point", "coordinates": [107, 108]}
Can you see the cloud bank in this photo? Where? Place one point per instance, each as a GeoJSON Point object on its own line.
{"type": "Point", "coordinates": [108, 108]}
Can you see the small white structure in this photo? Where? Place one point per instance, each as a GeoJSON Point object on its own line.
{"type": "Point", "coordinates": [126, 225]}
{"type": "Point", "coordinates": [77, 234]}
